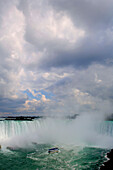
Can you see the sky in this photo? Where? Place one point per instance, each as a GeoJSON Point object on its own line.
{"type": "Point", "coordinates": [56, 57]}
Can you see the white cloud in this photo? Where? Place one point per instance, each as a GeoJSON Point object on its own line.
{"type": "Point", "coordinates": [44, 99]}
{"type": "Point", "coordinates": [12, 32]}
{"type": "Point", "coordinates": [54, 76]}
{"type": "Point", "coordinates": [12, 54]}
{"type": "Point", "coordinates": [49, 26]}
{"type": "Point", "coordinates": [96, 79]}
{"type": "Point", "coordinates": [83, 98]}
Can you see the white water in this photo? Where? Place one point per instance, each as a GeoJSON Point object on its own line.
{"type": "Point", "coordinates": [82, 131]}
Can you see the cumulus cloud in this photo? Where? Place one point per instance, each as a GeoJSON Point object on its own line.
{"type": "Point", "coordinates": [11, 47]}
{"type": "Point", "coordinates": [56, 56]}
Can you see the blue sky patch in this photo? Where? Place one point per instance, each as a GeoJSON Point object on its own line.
{"type": "Point", "coordinates": [39, 94]}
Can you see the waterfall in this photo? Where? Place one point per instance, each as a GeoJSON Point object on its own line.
{"type": "Point", "coordinates": [56, 131]}
{"type": "Point", "coordinates": [105, 128]}
{"type": "Point", "coordinates": [13, 132]}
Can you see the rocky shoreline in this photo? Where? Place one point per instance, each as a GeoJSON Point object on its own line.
{"type": "Point", "coordinates": [108, 165]}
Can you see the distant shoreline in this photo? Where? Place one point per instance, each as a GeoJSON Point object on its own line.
{"type": "Point", "coordinates": [30, 118]}
{"type": "Point", "coordinates": [21, 118]}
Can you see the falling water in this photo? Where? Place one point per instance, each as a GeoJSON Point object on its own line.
{"type": "Point", "coordinates": [82, 143]}
{"type": "Point", "coordinates": [57, 131]}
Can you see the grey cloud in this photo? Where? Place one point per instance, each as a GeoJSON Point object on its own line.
{"type": "Point", "coordinates": [95, 17]}
{"type": "Point", "coordinates": [94, 91]}
{"type": "Point", "coordinates": [10, 105]}
{"type": "Point", "coordinates": [88, 53]}
{"type": "Point", "coordinates": [88, 13]}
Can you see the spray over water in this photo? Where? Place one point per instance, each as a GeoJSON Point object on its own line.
{"type": "Point", "coordinates": [82, 131]}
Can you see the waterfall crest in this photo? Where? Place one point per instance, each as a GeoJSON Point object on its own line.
{"type": "Point", "coordinates": [56, 131]}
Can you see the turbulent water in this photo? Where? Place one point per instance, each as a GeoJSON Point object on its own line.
{"type": "Point", "coordinates": [82, 144]}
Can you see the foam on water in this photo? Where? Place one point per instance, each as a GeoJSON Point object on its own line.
{"type": "Point", "coordinates": [78, 132]}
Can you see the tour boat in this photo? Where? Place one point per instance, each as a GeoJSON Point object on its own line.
{"type": "Point", "coordinates": [53, 150]}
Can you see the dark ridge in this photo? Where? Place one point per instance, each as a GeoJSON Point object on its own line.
{"type": "Point", "coordinates": [109, 164]}
{"type": "Point", "coordinates": [21, 118]}
{"type": "Point", "coordinates": [30, 118]}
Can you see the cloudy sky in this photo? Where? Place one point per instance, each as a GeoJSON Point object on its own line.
{"type": "Point", "coordinates": [56, 57]}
